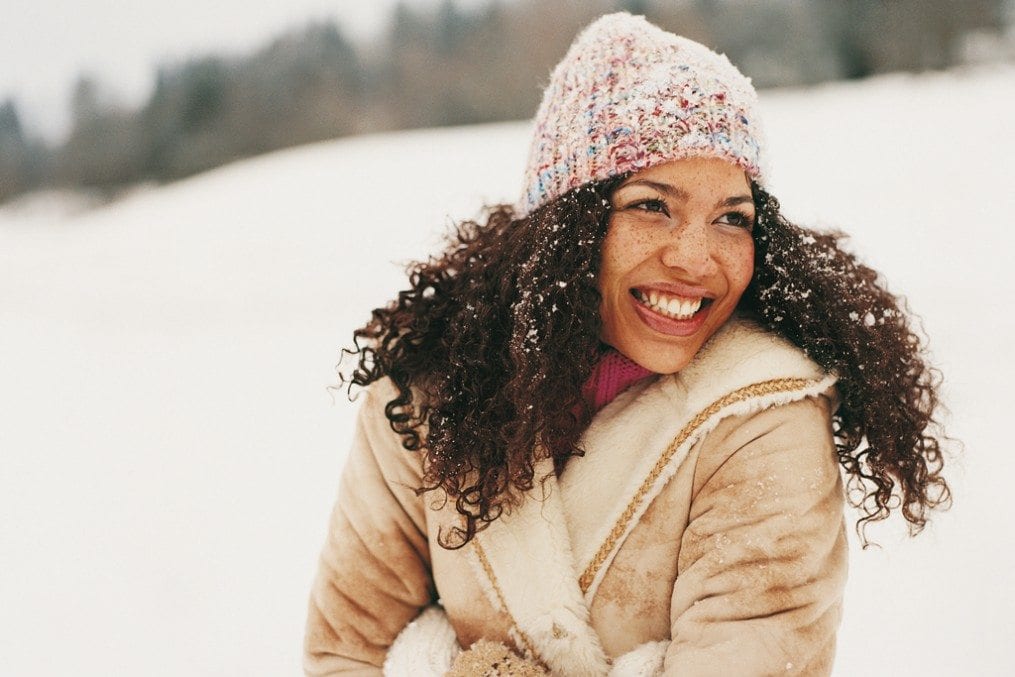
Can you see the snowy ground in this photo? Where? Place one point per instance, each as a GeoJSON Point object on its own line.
{"type": "Point", "coordinates": [169, 449]}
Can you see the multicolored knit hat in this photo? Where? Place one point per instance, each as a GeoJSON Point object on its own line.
{"type": "Point", "coordinates": [628, 96]}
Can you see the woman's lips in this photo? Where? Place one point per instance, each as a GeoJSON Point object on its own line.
{"type": "Point", "coordinates": [668, 325]}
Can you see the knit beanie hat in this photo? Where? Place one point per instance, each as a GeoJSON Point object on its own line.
{"type": "Point", "coordinates": [628, 96]}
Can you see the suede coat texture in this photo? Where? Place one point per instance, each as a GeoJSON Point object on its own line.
{"type": "Point", "coordinates": [701, 534]}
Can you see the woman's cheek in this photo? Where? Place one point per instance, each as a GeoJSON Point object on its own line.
{"type": "Point", "coordinates": [614, 267]}
{"type": "Point", "coordinates": [610, 263]}
{"type": "Point", "coordinates": [739, 264]}
{"type": "Point", "coordinates": [745, 269]}
{"type": "Point", "coordinates": [748, 265]}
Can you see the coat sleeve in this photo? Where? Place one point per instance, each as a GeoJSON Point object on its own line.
{"type": "Point", "coordinates": [762, 563]}
{"type": "Point", "coordinates": [374, 575]}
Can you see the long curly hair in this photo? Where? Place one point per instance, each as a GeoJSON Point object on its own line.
{"type": "Point", "coordinates": [490, 344]}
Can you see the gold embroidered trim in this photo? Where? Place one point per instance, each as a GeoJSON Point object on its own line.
{"type": "Point", "coordinates": [500, 597]}
{"type": "Point", "coordinates": [761, 389]}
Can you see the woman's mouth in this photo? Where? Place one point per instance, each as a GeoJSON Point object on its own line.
{"type": "Point", "coordinates": [671, 314]}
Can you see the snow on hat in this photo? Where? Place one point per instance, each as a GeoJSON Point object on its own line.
{"type": "Point", "coordinates": [628, 96]}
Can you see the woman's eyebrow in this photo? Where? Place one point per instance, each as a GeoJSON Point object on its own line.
{"type": "Point", "coordinates": [736, 200]}
{"type": "Point", "coordinates": [665, 188]}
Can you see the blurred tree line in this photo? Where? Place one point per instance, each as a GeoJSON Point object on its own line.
{"type": "Point", "coordinates": [444, 65]}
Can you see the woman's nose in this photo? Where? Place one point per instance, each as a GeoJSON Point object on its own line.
{"type": "Point", "coordinates": [688, 250]}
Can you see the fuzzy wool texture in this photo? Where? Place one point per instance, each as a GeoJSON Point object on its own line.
{"type": "Point", "coordinates": [645, 661]}
{"type": "Point", "coordinates": [493, 659]}
{"type": "Point", "coordinates": [629, 95]}
{"type": "Point", "coordinates": [426, 647]}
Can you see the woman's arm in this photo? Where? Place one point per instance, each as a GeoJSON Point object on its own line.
{"type": "Point", "coordinates": [762, 563]}
{"type": "Point", "coordinates": [374, 573]}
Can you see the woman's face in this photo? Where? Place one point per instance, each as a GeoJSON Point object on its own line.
{"type": "Point", "coordinates": [677, 257]}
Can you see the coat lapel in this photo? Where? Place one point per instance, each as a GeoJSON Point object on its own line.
{"type": "Point", "coordinates": [622, 446]}
{"type": "Point", "coordinates": [526, 557]}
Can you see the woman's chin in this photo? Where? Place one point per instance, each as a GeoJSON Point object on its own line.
{"type": "Point", "coordinates": [643, 343]}
{"type": "Point", "coordinates": [657, 357]}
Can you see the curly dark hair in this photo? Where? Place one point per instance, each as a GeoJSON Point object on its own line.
{"type": "Point", "coordinates": [489, 346]}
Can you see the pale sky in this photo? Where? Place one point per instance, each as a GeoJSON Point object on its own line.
{"type": "Point", "coordinates": [45, 44]}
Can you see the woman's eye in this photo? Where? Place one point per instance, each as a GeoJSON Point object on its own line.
{"type": "Point", "coordinates": [738, 219]}
{"type": "Point", "coordinates": [655, 206]}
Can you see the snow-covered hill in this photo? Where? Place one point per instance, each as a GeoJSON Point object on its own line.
{"type": "Point", "coordinates": [169, 449]}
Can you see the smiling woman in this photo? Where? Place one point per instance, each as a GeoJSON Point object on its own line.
{"type": "Point", "coordinates": [603, 431]}
{"type": "Point", "coordinates": [677, 257]}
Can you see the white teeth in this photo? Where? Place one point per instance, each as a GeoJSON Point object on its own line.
{"type": "Point", "coordinates": [680, 309]}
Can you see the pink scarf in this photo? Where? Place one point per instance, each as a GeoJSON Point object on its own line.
{"type": "Point", "coordinates": [612, 375]}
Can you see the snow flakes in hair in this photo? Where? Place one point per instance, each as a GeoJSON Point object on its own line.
{"type": "Point", "coordinates": [628, 96]}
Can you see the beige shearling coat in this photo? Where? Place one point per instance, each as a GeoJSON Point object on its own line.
{"type": "Point", "coordinates": [701, 534]}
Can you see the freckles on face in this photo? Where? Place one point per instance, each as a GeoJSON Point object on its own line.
{"type": "Point", "coordinates": [676, 259]}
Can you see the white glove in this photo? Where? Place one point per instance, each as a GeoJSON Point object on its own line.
{"type": "Point", "coordinates": [426, 647]}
